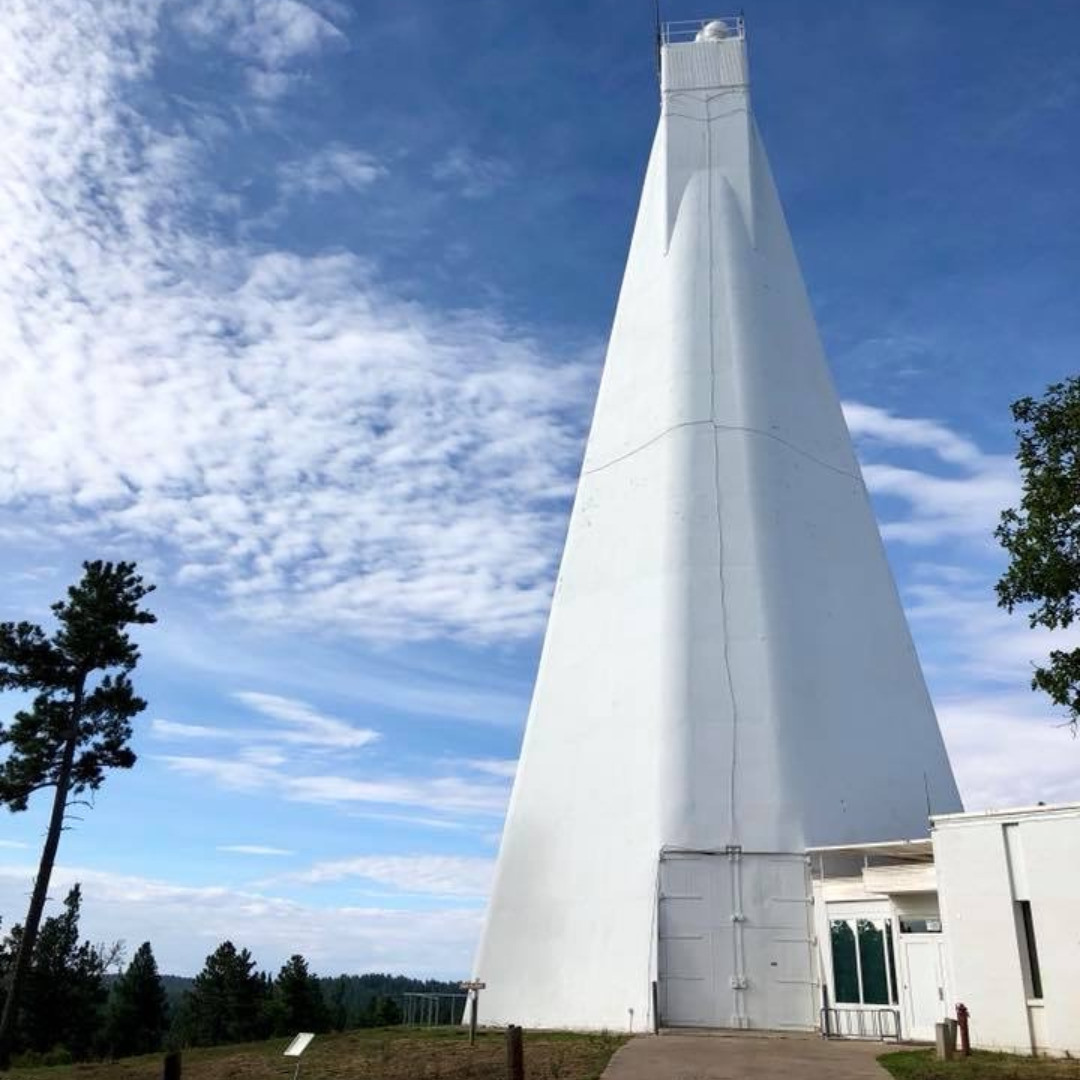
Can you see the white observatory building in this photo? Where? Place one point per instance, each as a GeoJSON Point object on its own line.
{"type": "Point", "coordinates": [727, 678]}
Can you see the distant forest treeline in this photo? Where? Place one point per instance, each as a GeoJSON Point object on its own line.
{"type": "Point", "coordinates": [351, 998]}
{"type": "Point", "coordinates": [72, 1009]}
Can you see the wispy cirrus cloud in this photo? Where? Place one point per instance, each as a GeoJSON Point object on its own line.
{"type": "Point", "coordinates": [446, 794]}
{"type": "Point", "coordinates": [274, 32]}
{"type": "Point", "coordinates": [305, 723]}
{"type": "Point", "coordinates": [472, 175]}
{"type": "Point", "coordinates": [299, 723]}
{"type": "Point", "coordinates": [962, 498]}
{"type": "Point", "coordinates": [446, 875]}
{"type": "Point", "coordinates": [331, 169]}
{"type": "Point", "coordinates": [284, 429]}
{"type": "Point", "coordinates": [254, 849]}
{"type": "Point", "coordinates": [504, 767]}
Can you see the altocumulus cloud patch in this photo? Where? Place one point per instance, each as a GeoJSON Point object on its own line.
{"type": "Point", "coordinates": [298, 437]}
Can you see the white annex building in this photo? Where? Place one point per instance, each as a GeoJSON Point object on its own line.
{"type": "Point", "coordinates": [727, 677]}
{"type": "Point", "coordinates": [983, 913]}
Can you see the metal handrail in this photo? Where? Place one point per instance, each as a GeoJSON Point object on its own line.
{"type": "Point", "coordinates": [683, 30]}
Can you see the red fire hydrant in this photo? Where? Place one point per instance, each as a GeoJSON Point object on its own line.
{"type": "Point", "coordinates": [962, 1015]}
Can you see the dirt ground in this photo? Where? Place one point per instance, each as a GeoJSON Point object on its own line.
{"type": "Point", "coordinates": [373, 1054]}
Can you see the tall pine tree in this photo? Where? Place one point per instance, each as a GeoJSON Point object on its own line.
{"type": "Point", "coordinates": [77, 726]}
{"type": "Point", "coordinates": [225, 1004]}
{"type": "Point", "coordinates": [138, 1007]}
{"type": "Point", "coordinates": [299, 1001]}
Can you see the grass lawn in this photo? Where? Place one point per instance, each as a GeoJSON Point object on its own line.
{"type": "Point", "coordinates": [370, 1054]}
{"type": "Point", "coordinates": [982, 1065]}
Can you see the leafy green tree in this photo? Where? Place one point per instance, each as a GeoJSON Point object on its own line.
{"type": "Point", "coordinates": [138, 1007]}
{"type": "Point", "coordinates": [64, 990]}
{"type": "Point", "coordinates": [1042, 536]}
{"type": "Point", "coordinates": [226, 1002]}
{"type": "Point", "coordinates": [77, 725]}
{"type": "Point", "coordinates": [299, 999]}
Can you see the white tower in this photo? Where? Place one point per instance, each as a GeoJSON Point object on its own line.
{"type": "Point", "coordinates": [727, 675]}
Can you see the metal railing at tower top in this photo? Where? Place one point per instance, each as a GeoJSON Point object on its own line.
{"type": "Point", "coordinates": [718, 28]}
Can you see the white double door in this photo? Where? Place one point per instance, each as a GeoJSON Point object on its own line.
{"type": "Point", "coordinates": [735, 944]}
{"type": "Point", "coordinates": [924, 996]}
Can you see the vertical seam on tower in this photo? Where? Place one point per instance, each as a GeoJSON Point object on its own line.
{"type": "Point", "coordinates": [736, 925]}
{"type": "Point", "coordinates": [732, 826]}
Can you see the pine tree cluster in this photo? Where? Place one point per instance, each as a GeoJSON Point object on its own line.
{"type": "Point", "coordinates": [74, 1010]}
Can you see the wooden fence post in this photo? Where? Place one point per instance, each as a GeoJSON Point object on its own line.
{"type": "Point", "coordinates": [170, 1069]}
{"type": "Point", "coordinates": [515, 1054]}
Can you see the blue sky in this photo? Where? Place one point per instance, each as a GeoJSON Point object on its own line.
{"type": "Point", "coordinates": [302, 305]}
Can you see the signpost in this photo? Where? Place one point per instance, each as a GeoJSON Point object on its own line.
{"type": "Point", "coordinates": [474, 986]}
{"type": "Point", "coordinates": [297, 1047]}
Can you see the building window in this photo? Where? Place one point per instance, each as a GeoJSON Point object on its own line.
{"type": "Point", "coordinates": [1033, 977]}
{"type": "Point", "coordinates": [864, 967]}
{"type": "Point", "coordinates": [844, 962]}
{"type": "Point", "coordinates": [892, 961]}
{"type": "Point", "coordinates": [920, 926]}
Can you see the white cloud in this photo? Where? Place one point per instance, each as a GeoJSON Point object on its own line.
{"type": "Point", "coordinates": [230, 774]}
{"type": "Point", "coordinates": [868, 422]}
{"type": "Point", "coordinates": [969, 637]}
{"type": "Point", "coordinates": [504, 767]}
{"type": "Point", "coordinates": [1006, 743]}
{"type": "Point", "coordinates": [332, 169]}
{"type": "Point", "coordinates": [474, 176]}
{"type": "Point", "coordinates": [302, 725]}
{"type": "Point", "coordinates": [185, 923]}
{"type": "Point", "coordinates": [1008, 750]}
{"type": "Point", "coordinates": [964, 502]}
{"type": "Point", "coordinates": [269, 86]}
{"type": "Point", "coordinates": [313, 448]}
{"type": "Point", "coordinates": [264, 755]}
{"type": "Point", "coordinates": [446, 875]}
{"type": "Point", "coordinates": [444, 794]}
{"type": "Point", "coordinates": [274, 33]}
{"type": "Point", "coordinates": [13, 844]}
{"type": "Point", "coordinates": [311, 727]}
{"type": "Point", "coordinates": [254, 849]}
{"type": "Point", "coordinates": [447, 793]}
{"type": "Point", "coordinates": [169, 729]}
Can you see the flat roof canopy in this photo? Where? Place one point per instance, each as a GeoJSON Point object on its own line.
{"type": "Point", "coordinates": [921, 850]}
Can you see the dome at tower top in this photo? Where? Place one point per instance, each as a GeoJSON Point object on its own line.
{"type": "Point", "coordinates": [714, 30]}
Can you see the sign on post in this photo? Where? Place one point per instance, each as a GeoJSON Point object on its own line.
{"type": "Point", "coordinates": [473, 986]}
{"type": "Point", "coordinates": [297, 1047]}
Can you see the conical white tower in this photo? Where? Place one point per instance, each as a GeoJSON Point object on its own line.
{"type": "Point", "coordinates": [727, 675]}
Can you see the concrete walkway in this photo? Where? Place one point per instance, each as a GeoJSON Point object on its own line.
{"type": "Point", "coordinates": [709, 1056]}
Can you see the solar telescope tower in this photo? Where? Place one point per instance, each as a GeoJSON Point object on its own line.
{"type": "Point", "coordinates": [727, 676]}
